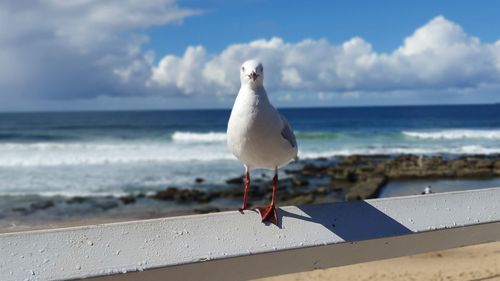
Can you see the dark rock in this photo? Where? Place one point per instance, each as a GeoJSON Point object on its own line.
{"type": "Point", "coordinates": [257, 181]}
{"type": "Point", "coordinates": [127, 199]}
{"type": "Point", "coordinates": [411, 166]}
{"type": "Point", "coordinates": [20, 209]}
{"type": "Point", "coordinates": [355, 159]}
{"type": "Point", "coordinates": [281, 196]}
{"type": "Point", "coordinates": [300, 181]}
{"type": "Point", "coordinates": [258, 191]}
{"type": "Point", "coordinates": [343, 173]}
{"type": "Point", "coordinates": [42, 205]}
{"type": "Point", "coordinates": [300, 200]}
{"type": "Point", "coordinates": [366, 188]}
{"type": "Point", "coordinates": [312, 170]}
{"type": "Point", "coordinates": [106, 205]}
{"type": "Point", "coordinates": [77, 200]}
{"type": "Point", "coordinates": [182, 197]}
{"type": "Point", "coordinates": [206, 210]}
{"type": "Point", "coordinates": [167, 194]}
{"type": "Point", "coordinates": [237, 180]}
{"type": "Point", "coordinates": [496, 168]}
{"type": "Point", "coordinates": [475, 173]}
{"type": "Point", "coordinates": [358, 176]}
{"type": "Point", "coordinates": [292, 171]}
{"type": "Point", "coordinates": [191, 195]}
{"type": "Point", "coordinates": [284, 183]}
{"type": "Point", "coordinates": [458, 164]}
{"type": "Point", "coordinates": [351, 176]}
{"type": "Point", "coordinates": [232, 193]}
{"type": "Point", "coordinates": [199, 180]}
{"type": "Point", "coordinates": [336, 184]}
{"type": "Point", "coordinates": [365, 170]}
{"type": "Point", "coordinates": [203, 198]}
{"type": "Point", "coordinates": [484, 164]}
{"type": "Point", "coordinates": [322, 191]}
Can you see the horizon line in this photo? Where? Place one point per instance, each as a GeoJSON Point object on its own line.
{"type": "Point", "coordinates": [229, 108]}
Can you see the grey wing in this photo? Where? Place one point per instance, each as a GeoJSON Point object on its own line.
{"type": "Point", "coordinates": [287, 133]}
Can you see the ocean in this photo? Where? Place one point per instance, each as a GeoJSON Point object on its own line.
{"type": "Point", "coordinates": [119, 153]}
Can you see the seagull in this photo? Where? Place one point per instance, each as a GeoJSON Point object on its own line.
{"type": "Point", "coordinates": [427, 190]}
{"type": "Point", "coordinates": [258, 135]}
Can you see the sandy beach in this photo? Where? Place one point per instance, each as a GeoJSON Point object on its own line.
{"type": "Point", "coordinates": [472, 263]}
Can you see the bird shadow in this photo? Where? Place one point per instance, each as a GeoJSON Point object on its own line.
{"type": "Point", "coordinates": [351, 221]}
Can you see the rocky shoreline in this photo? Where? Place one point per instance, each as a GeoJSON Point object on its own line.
{"type": "Point", "coordinates": [313, 181]}
{"type": "Point", "coordinates": [357, 177]}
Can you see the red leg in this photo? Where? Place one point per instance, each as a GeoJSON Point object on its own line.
{"type": "Point", "coordinates": [247, 186]}
{"type": "Point", "coordinates": [269, 213]}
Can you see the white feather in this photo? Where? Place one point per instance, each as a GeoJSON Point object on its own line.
{"type": "Point", "coordinates": [257, 134]}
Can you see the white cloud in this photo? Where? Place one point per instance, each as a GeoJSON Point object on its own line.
{"type": "Point", "coordinates": [185, 73]}
{"type": "Point", "coordinates": [82, 48]}
{"type": "Point", "coordinates": [291, 77]}
{"type": "Point", "coordinates": [285, 98]}
{"type": "Point", "coordinates": [438, 55]}
{"type": "Point", "coordinates": [351, 95]}
{"type": "Point", "coordinates": [88, 48]}
{"type": "Point", "coordinates": [322, 96]}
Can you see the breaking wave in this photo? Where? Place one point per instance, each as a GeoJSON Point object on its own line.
{"type": "Point", "coordinates": [63, 154]}
{"type": "Point", "coordinates": [467, 149]}
{"type": "Point", "coordinates": [198, 137]}
{"type": "Point", "coordinates": [454, 134]}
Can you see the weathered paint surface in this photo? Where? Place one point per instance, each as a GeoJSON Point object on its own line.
{"type": "Point", "coordinates": [313, 236]}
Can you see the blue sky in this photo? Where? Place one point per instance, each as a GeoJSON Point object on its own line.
{"type": "Point", "coordinates": [383, 23]}
{"type": "Point", "coordinates": [163, 54]}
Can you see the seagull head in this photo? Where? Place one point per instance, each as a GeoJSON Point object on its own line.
{"type": "Point", "coordinates": [251, 73]}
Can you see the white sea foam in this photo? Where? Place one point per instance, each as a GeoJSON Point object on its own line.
{"type": "Point", "coordinates": [468, 149]}
{"type": "Point", "coordinates": [454, 134]}
{"type": "Point", "coordinates": [198, 137]}
{"type": "Point", "coordinates": [63, 154]}
{"type": "Point", "coordinates": [210, 146]}
{"type": "Point", "coordinates": [64, 193]}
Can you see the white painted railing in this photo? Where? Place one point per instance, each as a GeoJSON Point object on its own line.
{"type": "Point", "coordinates": [237, 246]}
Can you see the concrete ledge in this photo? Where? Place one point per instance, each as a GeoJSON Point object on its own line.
{"type": "Point", "coordinates": [204, 247]}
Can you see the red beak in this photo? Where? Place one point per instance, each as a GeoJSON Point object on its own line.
{"type": "Point", "coordinates": [253, 76]}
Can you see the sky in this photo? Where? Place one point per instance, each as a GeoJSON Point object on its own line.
{"type": "Point", "coordinates": [168, 54]}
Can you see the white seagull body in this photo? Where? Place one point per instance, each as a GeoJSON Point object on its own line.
{"type": "Point", "coordinates": [257, 134]}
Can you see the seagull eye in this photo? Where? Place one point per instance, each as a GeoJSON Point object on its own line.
{"type": "Point", "coordinates": [242, 68]}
